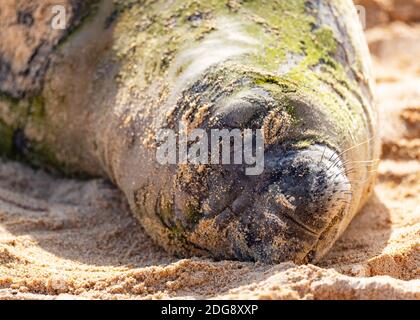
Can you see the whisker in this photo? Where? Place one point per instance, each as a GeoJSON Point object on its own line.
{"type": "Point", "coordinates": [359, 181]}
{"type": "Point", "coordinates": [370, 162]}
{"type": "Point", "coordinates": [352, 170]}
{"type": "Point", "coordinates": [322, 158]}
{"type": "Point", "coordinates": [351, 148]}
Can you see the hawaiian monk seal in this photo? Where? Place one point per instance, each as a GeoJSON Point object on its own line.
{"type": "Point", "coordinates": [298, 71]}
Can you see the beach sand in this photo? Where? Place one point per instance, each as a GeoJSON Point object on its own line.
{"type": "Point", "coordinates": [67, 239]}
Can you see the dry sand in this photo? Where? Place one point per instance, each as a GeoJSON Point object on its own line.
{"type": "Point", "coordinates": [69, 239]}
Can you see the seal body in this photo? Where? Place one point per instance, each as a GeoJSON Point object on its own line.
{"type": "Point", "coordinates": [298, 70]}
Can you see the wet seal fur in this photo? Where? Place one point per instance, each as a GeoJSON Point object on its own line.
{"type": "Point", "coordinates": [299, 70]}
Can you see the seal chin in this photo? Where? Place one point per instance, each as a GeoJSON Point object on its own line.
{"type": "Point", "coordinates": [293, 211]}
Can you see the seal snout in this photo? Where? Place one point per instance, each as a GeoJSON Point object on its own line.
{"type": "Point", "coordinates": [302, 195]}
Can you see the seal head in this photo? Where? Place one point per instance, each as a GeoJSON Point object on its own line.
{"type": "Point", "coordinates": [291, 211]}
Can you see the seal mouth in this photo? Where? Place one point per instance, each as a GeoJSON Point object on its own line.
{"type": "Point", "coordinates": [293, 209]}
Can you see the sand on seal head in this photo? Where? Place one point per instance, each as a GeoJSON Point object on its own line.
{"type": "Point", "coordinates": [64, 239]}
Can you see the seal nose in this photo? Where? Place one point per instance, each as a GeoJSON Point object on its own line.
{"type": "Point", "coordinates": [294, 209]}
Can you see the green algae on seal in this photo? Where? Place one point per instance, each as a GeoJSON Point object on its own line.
{"type": "Point", "coordinates": [298, 70]}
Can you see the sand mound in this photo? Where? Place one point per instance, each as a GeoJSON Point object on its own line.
{"type": "Point", "coordinates": [71, 239]}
